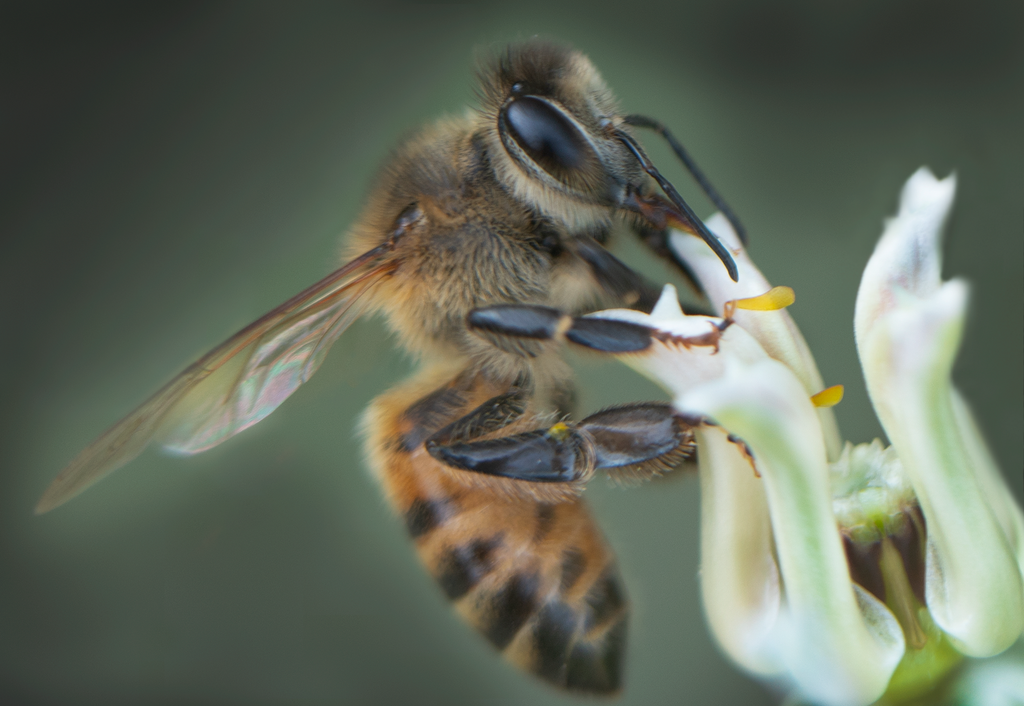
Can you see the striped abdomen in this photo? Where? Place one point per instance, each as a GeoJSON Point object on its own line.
{"type": "Point", "coordinates": [535, 578]}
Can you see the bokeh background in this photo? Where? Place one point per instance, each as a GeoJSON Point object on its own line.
{"type": "Point", "coordinates": [169, 172]}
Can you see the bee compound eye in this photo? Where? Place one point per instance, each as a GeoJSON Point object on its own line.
{"type": "Point", "coordinates": [546, 135]}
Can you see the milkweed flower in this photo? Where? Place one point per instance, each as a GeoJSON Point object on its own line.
{"type": "Point", "coordinates": [845, 572]}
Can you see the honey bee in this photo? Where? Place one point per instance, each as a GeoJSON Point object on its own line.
{"type": "Point", "coordinates": [471, 219]}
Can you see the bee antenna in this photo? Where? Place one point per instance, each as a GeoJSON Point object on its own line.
{"type": "Point", "coordinates": [698, 225]}
{"type": "Point", "coordinates": [698, 176]}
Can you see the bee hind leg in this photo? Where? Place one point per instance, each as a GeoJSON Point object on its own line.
{"type": "Point", "coordinates": [639, 441]}
{"type": "Point", "coordinates": [634, 441]}
{"type": "Point", "coordinates": [554, 455]}
{"type": "Point", "coordinates": [492, 415]}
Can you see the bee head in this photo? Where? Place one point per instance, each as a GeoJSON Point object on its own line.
{"type": "Point", "coordinates": [554, 129]}
{"type": "Point", "coordinates": [558, 142]}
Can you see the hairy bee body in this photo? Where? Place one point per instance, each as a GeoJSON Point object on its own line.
{"type": "Point", "coordinates": [481, 244]}
{"type": "Point", "coordinates": [523, 563]}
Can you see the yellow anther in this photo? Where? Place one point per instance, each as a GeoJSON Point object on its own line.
{"type": "Point", "coordinates": [774, 299]}
{"type": "Point", "coordinates": [829, 397]}
{"type": "Point", "coordinates": [558, 432]}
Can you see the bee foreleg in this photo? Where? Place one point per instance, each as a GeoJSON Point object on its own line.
{"type": "Point", "coordinates": [616, 278]}
{"type": "Point", "coordinates": [657, 240]}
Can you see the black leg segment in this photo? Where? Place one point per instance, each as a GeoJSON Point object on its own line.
{"type": "Point", "coordinates": [617, 278]}
{"type": "Point", "coordinates": [541, 322]}
{"type": "Point", "coordinates": [541, 456]}
{"type": "Point", "coordinates": [640, 440]}
{"type": "Point", "coordinates": [518, 320]}
{"type": "Point", "coordinates": [609, 335]}
{"type": "Point", "coordinates": [632, 442]}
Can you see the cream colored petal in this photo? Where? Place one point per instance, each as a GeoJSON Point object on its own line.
{"type": "Point", "coordinates": [838, 645]}
{"type": "Point", "coordinates": [738, 574]}
{"type": "Point", "coordinates": [675, 364]}
{"type": "Point", "coordinates": [908, 326]}
{"type": "Point", "coordinates": [907, 259]}
{"type": "Point", "coordinates": [974, 586]}
{"type": "Point", "coordinates": [774, 330]}
{"type": "Point", "coordinates": [998, 494]}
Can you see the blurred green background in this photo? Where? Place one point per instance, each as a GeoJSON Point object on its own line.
{"type": "Point", "coordinates": [170, 172]}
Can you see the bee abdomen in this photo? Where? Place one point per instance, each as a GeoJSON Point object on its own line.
{"type": "Point", "coordinates": [424, 516]}
{"type": "Point", "coordinates": [507, 610]}
{"type": "Point", "coordinates": [581, 646]}
{"type": "Point", "coordinates": [460, 569]}
{"type": "Point", "coordinates": [554, 608]}
{"type": "Point", "coordinates": [535, 579]}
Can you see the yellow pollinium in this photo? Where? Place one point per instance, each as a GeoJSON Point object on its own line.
{"type": "Point", "coordinates": [558, 431]}
{"type": "Point", "coordinates": [774, 299]}
{"type": "Point", "coordinates": [829, 397]}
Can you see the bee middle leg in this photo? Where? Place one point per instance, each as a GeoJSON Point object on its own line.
{"type": "Point", "coordinates": [632, 441]}
{"type": "Point", "coordinates": [542, 323]}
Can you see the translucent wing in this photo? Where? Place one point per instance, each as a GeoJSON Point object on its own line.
{"type": "Point", "coordinates": [236, 384]}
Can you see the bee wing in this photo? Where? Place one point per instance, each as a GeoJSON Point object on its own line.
{"type": "Point", "coordinates": [236, 384]}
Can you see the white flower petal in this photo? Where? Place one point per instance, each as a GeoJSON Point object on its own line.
{"type": "Point", "coordinates": [678, 366]}
{"type": "Point", "coordinates": [668, 307]}
{"type": "Point", "coordinates": [908, 326]}
{"type": "Point", "coordinates": [774, 330]}
{"type": "Point", "coordinates": [666, 316]}
{"type": "Point", "coordinates": [839, 647]}
{"type": "Point", "coordinates": [998, 494]}
{"type": "Point", "coordinates": [738, 574]}
{"type": "Point", "coordinates": [907, 259]}
{"type": "Point", "coordinates": [973, 582]}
